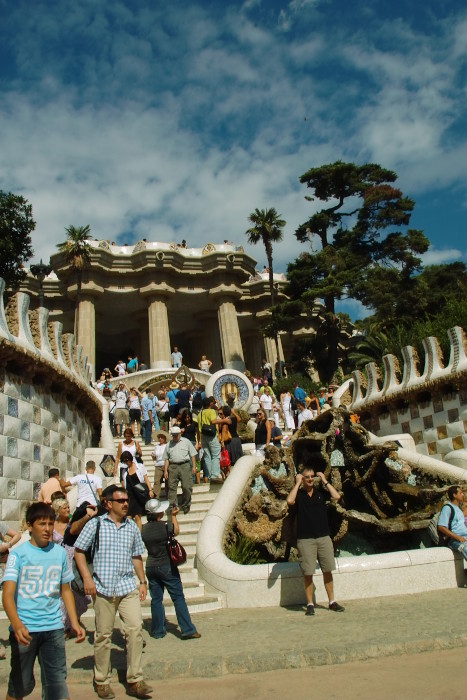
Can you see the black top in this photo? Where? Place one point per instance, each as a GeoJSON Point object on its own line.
{"type": "Point", "coordinates": [154, 534]}
{"type": "Point", "coordinates": [261, 434]}
{"type": "Point", "coordinates": [233, 427]}
{"type": "Point", "coordinates": [189, 432]}
{"type": "Point", "coordinates": [312, 514]}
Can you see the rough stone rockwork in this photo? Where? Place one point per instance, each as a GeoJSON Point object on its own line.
{"type": "Point", "coordinates": [49, 414]}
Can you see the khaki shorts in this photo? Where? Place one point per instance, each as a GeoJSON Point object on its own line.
{"type": "Point", "coordinates": [121, 415]}
{"type": "Point", "coordinates": [312, 550]}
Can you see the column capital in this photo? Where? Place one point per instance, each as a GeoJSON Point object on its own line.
{"type": "Point", "coordinates": [224, 293]}
{"type": "Point", "coordinates": [89, 290]}
{"type": "Point", "coordinates": [156, 292]}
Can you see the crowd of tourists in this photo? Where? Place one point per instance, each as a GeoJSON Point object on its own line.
{"type": "Point", "coordinates": [47, 588]}
{"type": "Point", "coordinates": [96, 553]}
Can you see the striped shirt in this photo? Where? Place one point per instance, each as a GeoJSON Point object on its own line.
{"type": "Point", "coordinates": [114, 573]}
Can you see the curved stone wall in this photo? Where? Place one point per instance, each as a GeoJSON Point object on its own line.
{"type": "Point", "coordinates": [48, 411]}
{"type": "Point", "coordinates": [430, 405]}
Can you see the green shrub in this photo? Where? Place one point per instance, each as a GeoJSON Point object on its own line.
{"type": "Point", "coordinates": [244, 551]}
{"type": "Point", "coordinates": [290, 381]}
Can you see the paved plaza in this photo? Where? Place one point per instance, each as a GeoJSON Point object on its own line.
{"type": "Point", "coordinates": [263, 640]}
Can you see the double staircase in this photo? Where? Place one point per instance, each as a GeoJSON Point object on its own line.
{"type": "Point", "coordinates": [198, 600]}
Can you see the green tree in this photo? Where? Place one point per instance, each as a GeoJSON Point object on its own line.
{"type": "Point", "coordinates": [438, 302]}
{"type": "Point", "coordinates": [78, 253]}
{"type": "Point", "coordinates": [360, 242]}
{"type": "Point", "coordinates": [16, 226]}
{"type": "Point", "coordinates": [267, 228]}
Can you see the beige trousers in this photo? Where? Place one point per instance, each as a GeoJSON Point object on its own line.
{"type": "Point", "coordinates": [158, 476]}
{"type": "Point", "coordinates": [129, 608]}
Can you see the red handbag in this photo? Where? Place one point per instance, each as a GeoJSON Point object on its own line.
{"type": "Point", "coordinates": [224, 459]}
{"type": "Point", "coordinates": [177, 552]}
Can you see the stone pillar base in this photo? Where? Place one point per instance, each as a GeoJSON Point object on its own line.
{"type": "Point", "coordinates": [161, 364]}
{"type": "Point", "coordinates": [239, 365]}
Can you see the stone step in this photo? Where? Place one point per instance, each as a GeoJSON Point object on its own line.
{"type": "Point", "coordinates": [195, 605]}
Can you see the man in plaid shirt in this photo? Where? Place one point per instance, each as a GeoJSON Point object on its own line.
{"type": "Point", "coordinates": [112, 585]}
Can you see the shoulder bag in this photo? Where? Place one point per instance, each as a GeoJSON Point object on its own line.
{"type": "Point", "coordinates": [177, 553]}
{"type": "Point", "coordinates": [96, 498]}
{"type": "Point", "coordinates": [208, 430]}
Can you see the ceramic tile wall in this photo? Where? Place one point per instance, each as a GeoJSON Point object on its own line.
{"type": "Point", "coordinates": [438, 426]}
{"type": "Point", "coordinates": [37, 431]}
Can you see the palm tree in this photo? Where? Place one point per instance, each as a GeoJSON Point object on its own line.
{"type": "Point", "coordinates": [78, 253]}
{"type": "Point", "coordinates": [267, 227]}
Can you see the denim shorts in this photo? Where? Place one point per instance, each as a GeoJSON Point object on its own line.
{"type": "Point", "coordinates": [49, 647]}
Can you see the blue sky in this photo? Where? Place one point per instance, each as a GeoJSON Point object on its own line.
{"type": "Point", "coordinates": [175, 120]}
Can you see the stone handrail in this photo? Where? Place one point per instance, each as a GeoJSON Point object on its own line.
{"type": "Point", "coordinates": [35, 348]}
{"type": "Point", "coordinates": [373, 389]}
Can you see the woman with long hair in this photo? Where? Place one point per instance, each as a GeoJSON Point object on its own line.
{"type": "Point", "coordinates": [228, 432]}
{"type": "Point", "coordinates": [62, 522]}
{"type": "Point", "coordinates": [130, 445]}
{"type": "Point", "coordinates": [262, 432]}
{"type": "Point", "coordinates": [162, 573]}
{"type": "Point", "coordinates": [133, 476]}
{"type": "Point", "coordinates": [135, 409]}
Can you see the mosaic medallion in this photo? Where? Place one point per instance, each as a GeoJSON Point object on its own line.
{"type": "Point", "coordinates": [228, 386]}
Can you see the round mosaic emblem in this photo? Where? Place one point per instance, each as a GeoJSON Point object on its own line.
{"type": "Point", "coordinates": [228, 386]}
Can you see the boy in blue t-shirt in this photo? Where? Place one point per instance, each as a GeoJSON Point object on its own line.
{"type": "Point", "coordinates": [36, 575]}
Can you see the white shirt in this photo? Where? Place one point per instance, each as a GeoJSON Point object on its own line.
{"type": "Point", "coordinates": [141, 472]}
{"type": "Point", "coordinates": [306, 414]}
{"type": "Point", "coordinates": [120, 399]}
{"type": "Point", "coordinates": [84, 491]}
{"type": "Point", "coordinates": [266, 401]}
{"type": "Point", "coordinates": [158, 454]}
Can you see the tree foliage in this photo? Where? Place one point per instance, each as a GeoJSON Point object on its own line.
{"type": "Point", "coordinates": [76, 247]}
{"type": "Point", "coordinates": [78, 253]}
{"type": "Point", "coordinates": [438, 302]}
{"type": "Point", "coordinates": [267, 228]}
{"type": "Point", "coordinates": [16, 226]}
{"type": "Point", "coordinates": [364, 249]}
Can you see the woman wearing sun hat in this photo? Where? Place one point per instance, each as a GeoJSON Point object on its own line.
{"type": "Point", "coordinates": [162, 573]}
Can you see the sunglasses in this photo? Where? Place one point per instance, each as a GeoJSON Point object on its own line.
{"type": "Point", "coordinates": [120, 500]}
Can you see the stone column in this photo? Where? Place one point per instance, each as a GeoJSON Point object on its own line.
{"type": "Point", "coordinates": [210, 343]}
{"type": "Point", "coordinates": [232, 350]}
{"type": "Point", "coordinates": [86, 332]}
{"type": "Point", "coordinates": [270, 350]}
{"type": "Point", "coordinates": [254, 351]}
{"type": "Point", "coordinates": [159, 336]}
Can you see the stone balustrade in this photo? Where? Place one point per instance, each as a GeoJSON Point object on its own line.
{"type": "Point", "coordinates": [431, 404]}
{"type": "Point", "coordinates": [49, 413]}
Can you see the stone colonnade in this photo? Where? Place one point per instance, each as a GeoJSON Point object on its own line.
{"type": "Point", "coordinates": [233, 354]}
{"type": "Point", "coordinates": [225, 328]}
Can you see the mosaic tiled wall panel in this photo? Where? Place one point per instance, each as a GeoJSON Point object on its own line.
{"type": "Point", "coordinates": [37, 431]}
{"type": "Point", "coordinates": [438, 426]}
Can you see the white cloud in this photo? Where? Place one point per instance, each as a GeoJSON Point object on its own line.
{"type": "Point", "coordinates": [434, 256]}
{"type": "Point", "coordinates": [177, 124]}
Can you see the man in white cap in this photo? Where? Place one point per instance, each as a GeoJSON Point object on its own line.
{"type": "Point", "coordinates": [180, 464]}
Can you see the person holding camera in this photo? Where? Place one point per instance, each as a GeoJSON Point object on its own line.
{"type": "Point", "coordinates": [310, 495]}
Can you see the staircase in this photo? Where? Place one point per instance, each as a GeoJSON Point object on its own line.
{"type": "Point", "coordinates": [198, 600]}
